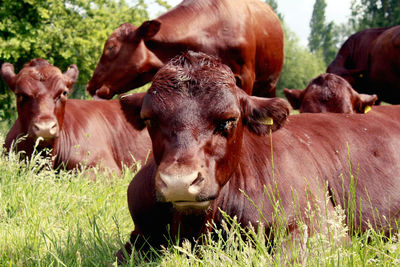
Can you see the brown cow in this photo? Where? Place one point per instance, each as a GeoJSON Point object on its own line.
{"type": "Point", "coordinates": [368, 60]}
{"type": "Point", "coordinates": [88, 132]}
{"type": "Point", "coordinates": [329, 93]}
{"type": "Point", "coordinates": [209, 143]}
{"type": "Point", "coordinates": [384, 69]}
{"type": "Point", "coordinates": [246, 35]}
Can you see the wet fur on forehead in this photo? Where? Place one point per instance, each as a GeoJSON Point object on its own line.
{"type": "Point", "coordinates": [39, 69]}
{"type": "Point", "coordinates": [123, 31]}
{"type": "Point", "coordinates": [325, 81]}
{"type": "Point", "coordinates": [191, 74]}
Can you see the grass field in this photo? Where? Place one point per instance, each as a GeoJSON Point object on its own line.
{"type": "Point", "coordinates": [50, 218]}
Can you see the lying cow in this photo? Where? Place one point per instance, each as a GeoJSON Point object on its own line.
{"type": "Point", "coordinates": [85, 132]}
{"type": "Point", "coordinates": [247, 36]}
{"type": "Point", "coordinates": [329, 93]}
{"type": "Point", "coordinates": [210, 141]}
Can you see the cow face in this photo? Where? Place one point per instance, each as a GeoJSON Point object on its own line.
{"type": "Point", "coordinates": [329, 93]}
{"type": "Point", "coordinates": [196, 117]}
{"type": "Point", "coordinates": [41, 91]}
{"type": "Point", "coordinates": [126, 63]}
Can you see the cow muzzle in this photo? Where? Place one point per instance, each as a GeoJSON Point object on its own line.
{"type": "Point", "coordinates": [46, 129]}
{"type": "Point", "coordinates": [104, 92]}
{"type": "Point", "coordinates": [182, 190]}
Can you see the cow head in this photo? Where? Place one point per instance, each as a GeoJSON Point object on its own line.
{"type": "Point", "coordinates": [329, 93]}
{"type": "Point", "coordinates": [126, 62]}
{"type": "Point", "coordinates": [196, 117]}
{"type": "Point", "coordinates": [41, 91]}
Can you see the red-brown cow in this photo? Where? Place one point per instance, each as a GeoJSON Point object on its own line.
{"type": "Point", "coordinates": [384, 69]}
{"type": "Point", "coordinates": [209, 143]}
{"type": "Point", "coordinates": [368, 60]}
{"type": "Point", "coordinates": [86, 132]}
{"type": "Point", "coordinates": [329, 93]}
{"type": "Point", "coordinates": [246, 35]}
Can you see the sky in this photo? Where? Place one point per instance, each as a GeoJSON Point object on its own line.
{"type": "Point", "coordinates": [297, 14]}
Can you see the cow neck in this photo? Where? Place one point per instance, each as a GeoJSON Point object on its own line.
{"type": "Point", "coordinates": [62, 149]}
{"type": "Point", "coordinates": [248, 177]}
{"type": "Point", "coordinates": [184, 22]}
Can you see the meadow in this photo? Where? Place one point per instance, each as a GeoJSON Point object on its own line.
{"type": "Point", "coordinates": [60, 218]}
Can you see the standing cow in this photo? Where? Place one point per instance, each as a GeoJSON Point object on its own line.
{"type": "Point", "coordinates": [369, 61]}
{"type": "Point", "coordinates": [329, 93]}
{"type": "Point", "coordinates": [210, 141]}
{"type": "Point", "coordinates": [246, 35]}
{"type": "Point", "coordinates": [88, 132]}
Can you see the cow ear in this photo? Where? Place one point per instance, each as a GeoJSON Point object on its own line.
{"type": "Point", "coordinates": [364, 102]}
{"type": "Point", "coordinates": [261, 114]}
{"type": "Point", "coordinates": [72, 73]}
{"type": "Point", "coordinates": [148, 29]}
{"type": "Point", "coordinates": [131, 106]}
{"type": "Point", "coordinates": [8, 74]}
{"type": "Point", "coordinates": [294, 96]}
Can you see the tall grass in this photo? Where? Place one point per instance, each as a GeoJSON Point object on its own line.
{"type": "Point", "coordinates": [50, 218]}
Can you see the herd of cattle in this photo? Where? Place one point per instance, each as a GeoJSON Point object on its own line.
{"type": "Point", "coordinates": [213, 120]}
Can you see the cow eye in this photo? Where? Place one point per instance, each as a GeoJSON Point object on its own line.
{"type": "Point", "coordinates": [225, 126]}
{"type": "Point", "coordinates": [110, 47]}
{"type": "Point", "coordinates": [62, 95]}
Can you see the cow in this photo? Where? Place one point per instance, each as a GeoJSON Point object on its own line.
{"type": "Point", "coordinates": [368, 60]}
{"type": "Point", "coordinates": [384, 69]}
{"type": "Point", "coordinates": [79, 132]}
{"type": "Point", "coordinates": [216, 148]}
{"type": "Point", "coordinates": [329, 93]}
{"type": "Point", "coordinates": [247, 36]}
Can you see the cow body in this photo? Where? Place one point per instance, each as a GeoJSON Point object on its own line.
{"type": "Point", "coordinates": [246, 35]}
{"type": "Point", "coordinates": [368, 60]}
{"type": "Point", "coordinates": [384, 70]}
{"type": "Point", "coordinates": [102, 137]}
{"type": "Point", "coordinates": [83, 133]}
{"type": "Point", "coordinates": [329, 93]}
{"type": "Point", "coordinates": [198, 170]}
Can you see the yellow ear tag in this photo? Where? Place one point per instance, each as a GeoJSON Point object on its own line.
{"type": "Point", "coordinates": [361, 75]}
{"type": "Point", "coordinates": [367, 109]}
{"type": "Point", "coordinates": [268, 121]}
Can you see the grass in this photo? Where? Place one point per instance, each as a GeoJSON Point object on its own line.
{"type": "Point", "coordinates": [50, 218]}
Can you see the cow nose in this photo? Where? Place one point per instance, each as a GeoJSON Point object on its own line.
{"type": "Point", "coordinates": [46, 129]}
{"type": "Point", "coordinates": [180, 187]}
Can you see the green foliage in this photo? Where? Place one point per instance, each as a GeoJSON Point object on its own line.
{"type": "Point", "coordinates": [300, 65]}
{"type": "Point", "coordinates": [62, 31]}
{"type": "Point", "coordinates": [373, 14]}
{"type": "Point", "coordinates": [321, 38]}
{"type": "Point", "coordinates": [317, 25]}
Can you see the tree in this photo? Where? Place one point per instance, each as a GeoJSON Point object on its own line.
{"type": "Point", "coordinates": [63, 32]}
{"type": "Point", "coordinates": [374, 13]}
{"type": "Point", "coordinates": [317, 25]}
{"type": "Point", "coordinates": [321, 35]}
{"type": "Point", "coordinates": [300, 64]}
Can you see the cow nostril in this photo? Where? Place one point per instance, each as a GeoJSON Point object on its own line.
{"type": "Point", "coordinates": [198, 180]}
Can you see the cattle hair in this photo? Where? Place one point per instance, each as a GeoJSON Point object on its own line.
{"type": "Point", "coordinates": [190, 71]}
